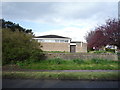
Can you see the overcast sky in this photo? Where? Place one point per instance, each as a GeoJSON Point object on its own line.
{"type": "Point", "coordinates": [70, 19]}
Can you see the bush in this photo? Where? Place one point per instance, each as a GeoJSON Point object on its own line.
{"type": "Point", "coordinates": [18, 46]}
{"type": "Point", "coordinates": [110, 50]}
{"type": "Point", "coordinates": [37, 55]}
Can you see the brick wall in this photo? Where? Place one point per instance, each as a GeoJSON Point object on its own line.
{"type": "Point", "coordinates": [81, 48]}
{"type": "Point", "coordinates": [63, 47]}
{"type": "Point", "coordinates": [56, 47]}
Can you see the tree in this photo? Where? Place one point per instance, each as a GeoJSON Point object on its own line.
{"type": "Point", "coordinates": [112, 32]}
{"type": "Point", "coordinates": [18, 45]}
{"type": "Point", "coordinates": [14, 27]}
{"type": "Point", "coordinates": [105, 34]}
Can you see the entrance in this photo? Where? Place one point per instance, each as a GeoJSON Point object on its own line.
{"type": "Point", "coordinates": [72, 48]}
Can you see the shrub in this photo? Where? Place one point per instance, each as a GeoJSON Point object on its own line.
{"type": "Point", "coordinates": [19, 46]}
{"type": "Point", "coordinates": [110, 50]}
{"type": "Point", "coordinates": [37, 55]}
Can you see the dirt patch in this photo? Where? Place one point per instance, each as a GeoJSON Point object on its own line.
{"type": "Point", "coordinates": [11, 67]}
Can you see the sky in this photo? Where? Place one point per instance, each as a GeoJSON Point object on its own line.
{"type": "Point", "coordinates": [69, 19]}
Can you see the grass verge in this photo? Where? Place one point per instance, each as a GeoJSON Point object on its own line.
{"type": "Point", "coordinates": [76, 64]}
{"type": "Point", "coordinates": [62, 75]}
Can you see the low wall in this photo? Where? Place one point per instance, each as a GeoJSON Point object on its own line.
{"type": "Point", "coordinates": [85, 56]}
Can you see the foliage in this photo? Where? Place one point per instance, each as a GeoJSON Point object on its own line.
{"type": "Point", "coordinates": [108, 34]}
{"type": "Point", "coordinates": [14, 27]}
{"type": "Point", "coordinates": [36, 55]}
{"type": "Point", "coordinates": [110, 50]}
{"type": "Point", "coordinates": [18, 46]}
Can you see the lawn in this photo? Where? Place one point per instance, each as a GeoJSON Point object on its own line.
{"type": "Point", "coordinates": [76, 64]}
{"type": "Point", "coordinates": [59, 64]}
{"type": "Point", "coordinates": [62, 75]}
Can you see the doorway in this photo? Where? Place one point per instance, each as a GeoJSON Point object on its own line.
{"type": "Point", "coordinates": [72, 48]}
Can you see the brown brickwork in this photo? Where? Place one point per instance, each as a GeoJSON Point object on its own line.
{"type": "Point", "coordinates": [55, 46]}
{"type": "Point", "coordinates": [47, 46]}
{"type": "Point", "coordinates": [81, 48]}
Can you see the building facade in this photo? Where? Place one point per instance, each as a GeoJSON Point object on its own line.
{"type": "Point", "coordinates": [60, 43]}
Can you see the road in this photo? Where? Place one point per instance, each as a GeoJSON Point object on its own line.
{"type": "Point", "coordinates": [17, 83]}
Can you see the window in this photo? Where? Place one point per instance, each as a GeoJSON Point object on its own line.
{"type": "Point", "coordinates": [66, 40]}
{"type": "Point", "coordinates": [40, 40]}
{"type": "Point", "coordinates": [57, 40]}
{"type": "Point", "coordinates": [53, 40]}
{"type": "Point", "coordinates": [62, 41]}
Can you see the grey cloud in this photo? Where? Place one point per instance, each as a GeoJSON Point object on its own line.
{"type": "Point", "coordinates": [48, 11]}
{"type": "Point", "coordinates": [26, 10]}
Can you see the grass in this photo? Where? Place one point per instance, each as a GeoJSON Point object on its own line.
{"type": "Point", "coordinates": [102, 51]}
{"type": "Point", "coordinates": [62, 75]}
{"type": "Point", "coordinates": [76, 64]}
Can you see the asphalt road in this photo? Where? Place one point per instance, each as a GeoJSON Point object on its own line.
{"type": "Point", "coordinates": [17, 83]}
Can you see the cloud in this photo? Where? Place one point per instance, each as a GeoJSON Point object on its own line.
{"type": "Point", "coordinates": [75, 33]}
{"type": "Point", "coordinates": [57, 12]}
{"type": "Point", "coordinates": [75, 18]}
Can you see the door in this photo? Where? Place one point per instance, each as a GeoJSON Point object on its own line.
{"type": "Point", "coordinates": [73, 48]}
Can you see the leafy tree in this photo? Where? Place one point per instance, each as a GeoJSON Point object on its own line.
{"type": "Point", "coordinates": [14, 27]}
{"type": "Point", "coordinates": [105, 34]}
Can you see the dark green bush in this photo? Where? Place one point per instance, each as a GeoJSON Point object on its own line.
{"type": "Point", "coordinates": [19, 46]}
{"type": "Point", "coordinates": [37, 55]}
{"type": "Point", "coordinates": [110, 50]}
